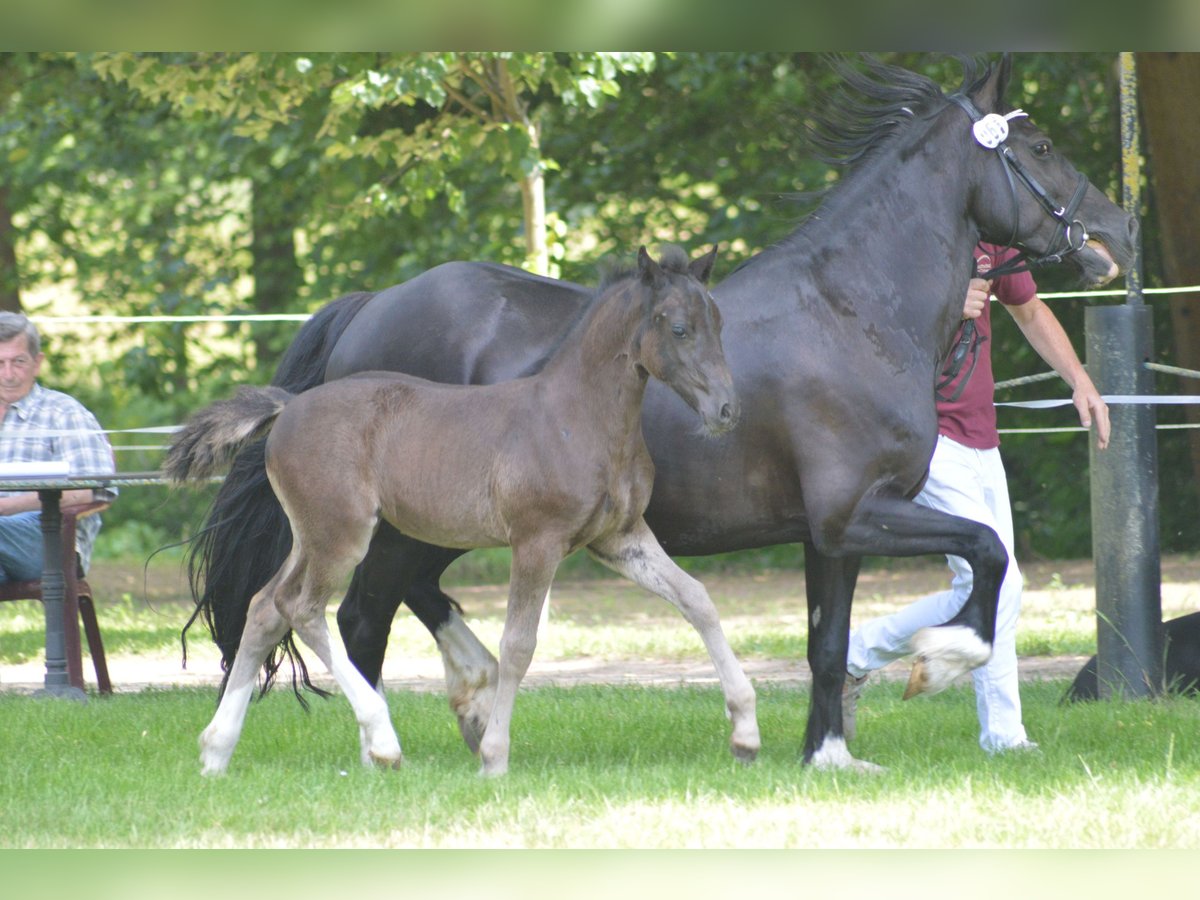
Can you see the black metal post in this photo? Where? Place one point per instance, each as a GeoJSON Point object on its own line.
{"type": "Point", "coordinates": [1125, 508]}
{"type": "Point", "coordinates": [1129, 642]}
{"type": "Point", "coordinates": [58, 683]}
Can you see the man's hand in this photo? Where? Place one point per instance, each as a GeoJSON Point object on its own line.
{"type": "Point", "coordinates": [977, 298]}
{"type": "Point", "coordinates": [1091, 408]}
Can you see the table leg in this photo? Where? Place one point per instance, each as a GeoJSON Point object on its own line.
{"type": "Point", "coordinates": [58, 683]}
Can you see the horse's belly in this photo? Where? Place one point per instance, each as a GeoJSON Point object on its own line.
{"type": "Point", "coordinates": [448, 520]}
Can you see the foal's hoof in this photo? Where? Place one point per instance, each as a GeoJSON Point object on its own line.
{"type": "Point", "coordinates": [387, 762]}
{"type": "Point", "coordinates": [471, 729]}
{"type": "Point", "coordinates": [944, 653]}
{"type": "Point", "coordinates": [745, 755]}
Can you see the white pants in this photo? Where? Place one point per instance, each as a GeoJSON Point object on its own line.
{"type": "Point", "coordinates": [972, 484]}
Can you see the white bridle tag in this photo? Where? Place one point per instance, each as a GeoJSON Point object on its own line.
{"type": "Point", "coordinates": [992, 130]}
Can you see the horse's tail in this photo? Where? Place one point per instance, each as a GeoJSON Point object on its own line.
{"type": "Point", "coordinates": [247, 536]}
{"type": "Point", "coordinates": [211, 439]}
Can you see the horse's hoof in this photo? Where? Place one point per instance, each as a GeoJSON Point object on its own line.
{"type": "Point", "coordinates": [493, 770]}
{"type": "Point", "coordinates": [387, 761]}
{"type": "Point", "coordinates": [745, 755]}
{"type": "Point", "coordinates": [918, 680]}
{"type": "Point", "coordinates": [471, 729]}
{"type": "Point", "coordinates": [834, 755]}
{"type": "Point", "coordinates": [744, 752]}
{"type": "Point", "coordinates": [943, 654]}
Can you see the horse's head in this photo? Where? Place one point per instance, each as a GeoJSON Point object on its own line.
{"type": "Point", "coordinates": [680, 343]}
{"type": "Point", "coordinates": [1029, 195]}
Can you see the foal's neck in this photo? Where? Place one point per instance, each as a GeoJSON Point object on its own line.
{"type": "Point", "coordinates": [598, 358]}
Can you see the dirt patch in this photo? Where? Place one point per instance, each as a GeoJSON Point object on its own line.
{"type": "Point", "coordinates": [1056, 591]}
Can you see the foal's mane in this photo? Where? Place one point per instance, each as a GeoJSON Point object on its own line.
{"type": "Point", "coordinates": [673, 259]}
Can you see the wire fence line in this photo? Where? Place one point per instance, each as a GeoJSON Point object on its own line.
{"type": "Point", "coordinates": [52, 320]}
{"type": "Point", "coordinates": [101, 319]}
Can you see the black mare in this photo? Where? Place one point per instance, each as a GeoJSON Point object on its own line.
{"type": "Point", "coordinates": [834, 337]}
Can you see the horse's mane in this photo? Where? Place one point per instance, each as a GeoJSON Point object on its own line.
{"type": "Point", "coordinates": [872, 104]}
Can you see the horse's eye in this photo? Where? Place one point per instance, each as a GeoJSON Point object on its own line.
{"type": "Point", "coordinates": [1041, 148]}
{"type": "Point", "coordinates": [679, 331]}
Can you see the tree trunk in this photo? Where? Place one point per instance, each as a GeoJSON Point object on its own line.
{"type": "Point", "coordinates": [533, 185]}
{"type": "Point", "coordinates": [1168, 82]}
{"type": "Point", "coordinates": [533, 199]}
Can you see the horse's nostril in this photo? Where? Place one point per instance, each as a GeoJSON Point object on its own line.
{"type": "Point", "coordinates": [726, 413]}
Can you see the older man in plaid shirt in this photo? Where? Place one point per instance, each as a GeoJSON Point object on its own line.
{"type": "Point", "coordinates": [41, 425]}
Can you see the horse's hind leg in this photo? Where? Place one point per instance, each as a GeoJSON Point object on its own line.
{"type": "Point", "coordinates": [398, 567]}
{"type": "Point", "coordinates": [638, 555]}
{"type": "Point", "coordinates": [376, 735]}
{"type": "Point", "coordinates": [265, 628]}
{"type": "Point", "coordinates": [332, 552]}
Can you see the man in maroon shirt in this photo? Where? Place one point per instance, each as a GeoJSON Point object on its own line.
{"type": "Point", "coordinates": [966, 478]}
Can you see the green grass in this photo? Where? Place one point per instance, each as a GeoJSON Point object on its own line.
{"type": "Point", "coordinates": [597, 767]}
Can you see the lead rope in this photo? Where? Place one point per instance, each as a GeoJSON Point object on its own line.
{"type": "Point", "coordinates": [968, 342]}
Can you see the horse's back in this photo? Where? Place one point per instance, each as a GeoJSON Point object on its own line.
{"type": "Point", "coordinates": [460, 322]}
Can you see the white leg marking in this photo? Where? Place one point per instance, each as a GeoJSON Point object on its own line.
{"type": "Point", "coordinates": [376, 734]}
{"type": "Point", "coordinates": [221, 736]}
{"type": "Point", "coordinates": [834, 754]}
{"type": "Point", "coordinates": [471, 675]}
{"type": "Point", "coordinates": [944, 653]}
{"type": "Point", "coordinates": [638, 555]}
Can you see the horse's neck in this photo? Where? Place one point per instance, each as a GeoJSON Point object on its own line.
{"type": "Point", "coordinates": [904, 274]}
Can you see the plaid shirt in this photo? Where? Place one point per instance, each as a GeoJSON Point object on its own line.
{"type": "Point", "coordinates": [50, 425]}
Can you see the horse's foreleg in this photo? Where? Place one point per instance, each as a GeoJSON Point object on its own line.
{"type": "Point", "coordinates": [471, 670]}
{"type": "Point", "coordinates": [888, 526]}
{"type": "Point", "coordinates": [830, 586]}
{"type": "Point", "coordinates": [265, 628]}
{"type": "Point", "coordinates": [637, 555]}
{"type": "Point", "coordinates": [533, 568]}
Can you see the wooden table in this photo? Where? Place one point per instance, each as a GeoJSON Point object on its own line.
{"type": "Point", "coordinates": [50, 491]}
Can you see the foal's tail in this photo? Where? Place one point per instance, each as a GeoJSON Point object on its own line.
{"type": "Point", "coordinates": [211, 439]}
{"type": "Point", "coordinates": [246, 535]}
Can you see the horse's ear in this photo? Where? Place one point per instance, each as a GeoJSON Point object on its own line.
{"type": "Point", "coordinates": [991, 95]}
{"type": "Point", "coordinates": [701, 269]}
{"type": "Point", "coordinates": [649, 271]}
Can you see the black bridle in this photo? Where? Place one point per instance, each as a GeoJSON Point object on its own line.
{"type": "Point", "coordinates": [1072, 238]}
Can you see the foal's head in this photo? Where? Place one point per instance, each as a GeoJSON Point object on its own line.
{"type": "Point", "coordinates": [680, 343]}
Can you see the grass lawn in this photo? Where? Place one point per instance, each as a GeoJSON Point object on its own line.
{"type": "Point", "coordinates": [600, 765]}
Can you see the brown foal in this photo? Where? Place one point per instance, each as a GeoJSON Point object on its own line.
{"type": "Point", "coordinates": [546, 465]}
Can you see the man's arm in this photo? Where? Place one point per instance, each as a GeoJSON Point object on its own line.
{"type": "Point", "coordinates": [29, 501]}
{"type": "Point", "coordinates": [1046, 335]}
